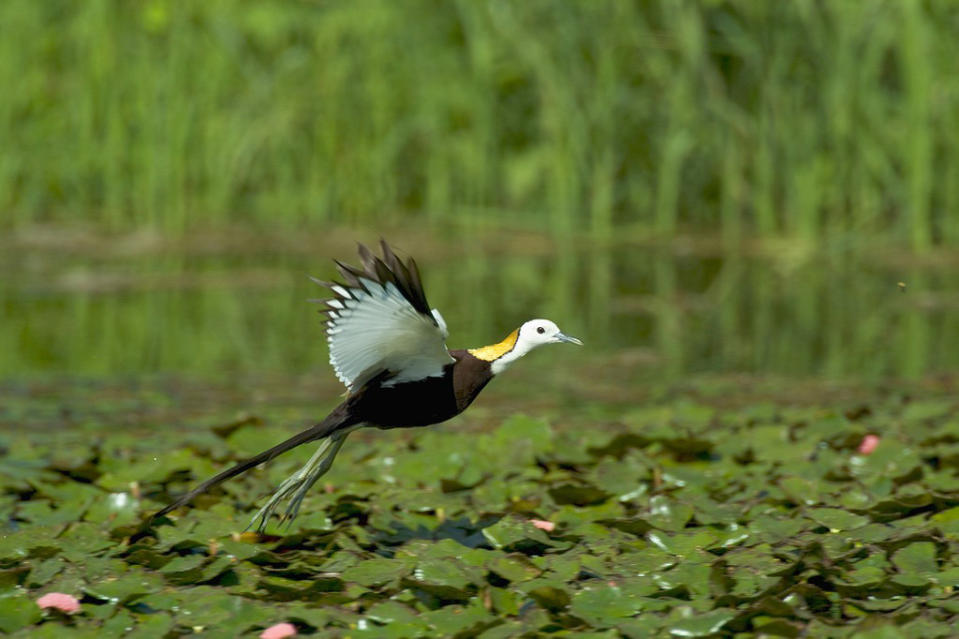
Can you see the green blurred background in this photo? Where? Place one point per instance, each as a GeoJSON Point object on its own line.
{"type": "Point", "coordinates": [693, 188]}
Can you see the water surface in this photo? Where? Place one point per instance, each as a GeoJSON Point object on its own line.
{"type": "Point", "coordinates": [652, 313]}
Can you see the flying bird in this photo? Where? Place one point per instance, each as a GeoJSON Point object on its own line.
{"type": "Point", "coordinates": [389, 348]}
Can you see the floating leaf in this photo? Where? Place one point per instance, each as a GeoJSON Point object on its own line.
{"type": "Point", "coordinates": [916, 559]}
{"type": "Point", "coordinates": [702, 625]}
{"type": "Point", "coordinates": [513, 569]}
{"type": "Point", "coordinates": [578, 494]}
{"type": "Point", "coordinates": [17, 612]}
{"type": "Point", "coordinates": [446, 578]}
{"type": "Point", "coordinates": [378, 570]}
{"type": "Point", "coordinates": [511, 533]}
{"type": "Point", "coordinates": [668, 514]}
{"type": "Point", "coordinates": [836, 518]}
{"type": "Point", "coordinates": [601, 605]}
{"type": "Point", "coordinates": [126, 587]}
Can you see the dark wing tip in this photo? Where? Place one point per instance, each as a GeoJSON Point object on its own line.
{"type": "Point", "coordinates": [366, 256]}
{"type": "Point", "coordinates": [388, 269]}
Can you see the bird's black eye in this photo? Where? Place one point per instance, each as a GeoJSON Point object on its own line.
{"type": "Point", "coordinates": [540, 330]}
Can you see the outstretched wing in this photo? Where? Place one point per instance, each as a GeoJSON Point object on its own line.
{"type": "Point", "coordinates": [380, 322]}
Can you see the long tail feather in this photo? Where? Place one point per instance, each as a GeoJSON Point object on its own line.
{"type": "Point", "coordinates": [336, 420]}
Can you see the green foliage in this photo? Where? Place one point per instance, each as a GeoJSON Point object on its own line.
{"type": "Point", "coordinates": [677, 519]}
{"type": "Point", "coordinates": [815, 121]}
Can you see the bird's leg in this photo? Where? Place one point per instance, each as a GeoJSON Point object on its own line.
{"type": "Point", "coordinates": [293, 509]}
{"type": "Point", "coordinates": [300, 482]}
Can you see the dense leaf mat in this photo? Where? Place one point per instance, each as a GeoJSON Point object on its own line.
{"type": "Point", "coordinates": [675, 520]}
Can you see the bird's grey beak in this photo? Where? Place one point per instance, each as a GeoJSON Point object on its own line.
{"type": "Point", "coordinates": [562, 337]}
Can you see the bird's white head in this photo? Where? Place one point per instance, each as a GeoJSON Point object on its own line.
{"type": "Point", "coordinates": [541, 331]}
{"type": "Point", "coordinates": [521, 341]}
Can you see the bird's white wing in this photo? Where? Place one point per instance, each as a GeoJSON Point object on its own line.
{"type": "Point", "coordinates": [375, 329]}
{"type": "Point", "coordinates": [379, 322]}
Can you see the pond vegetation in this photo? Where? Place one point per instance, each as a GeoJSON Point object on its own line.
{"type": "Point", "coordinates": [700, 513]}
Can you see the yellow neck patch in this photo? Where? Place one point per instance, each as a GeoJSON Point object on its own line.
{"type": "Point", "coordinates": [495, 351]}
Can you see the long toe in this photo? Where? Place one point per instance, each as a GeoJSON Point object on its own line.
{"type": "Point", "coordinates": [262, 515]}
{"type": "Point", "coordinates": [293, 509]}
{"type": "Point", "coordinates": [266, 512]}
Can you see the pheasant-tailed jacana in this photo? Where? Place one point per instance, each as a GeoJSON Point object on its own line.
{"type": "Point", "coordinates": [388, 347]}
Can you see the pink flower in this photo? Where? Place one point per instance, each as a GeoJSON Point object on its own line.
{"type": "Point", "coordinates": [542, 524]}
{"type": "Point", "coordinates": [868, 445]}
{"type": "Point", "coordinates": [279, 631]}
{"type": "Point", "coordinates": [62, 602]}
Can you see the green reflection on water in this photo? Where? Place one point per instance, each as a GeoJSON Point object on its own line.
{"type": "Point", "coordinates": [669, 315]}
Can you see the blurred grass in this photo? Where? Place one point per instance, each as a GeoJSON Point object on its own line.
{"type": "Point", "coordinates": [817, 121]}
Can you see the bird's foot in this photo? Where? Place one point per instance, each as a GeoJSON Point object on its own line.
{"type": "Point", "coordinates": [287, 488]}
{"type": "Point", "coordinates": [299, 483]}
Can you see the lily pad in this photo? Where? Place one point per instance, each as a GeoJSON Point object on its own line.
{"type": "Point", "coordinates": [512, 533]}
{"type": "Point", "coordinates": [702, 625]}
{"type": "Point", "coordinates": [917, 560]}
{"type": "Point", "coordinates": [17, 612]}
{"type": "Point", "coordinates": [602, 605]}
{"type": "Point", "coordinates": [836, 518]}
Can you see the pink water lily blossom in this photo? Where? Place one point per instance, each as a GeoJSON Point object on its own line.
{"type": "Point", "coordinates": [59, 601]}
{"type": "Point", "coordinates": [868, 445]}
{"type": "Point", "coordinates": [279, 631]}
{"type": "Point", "coordinates": [542, 524]}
